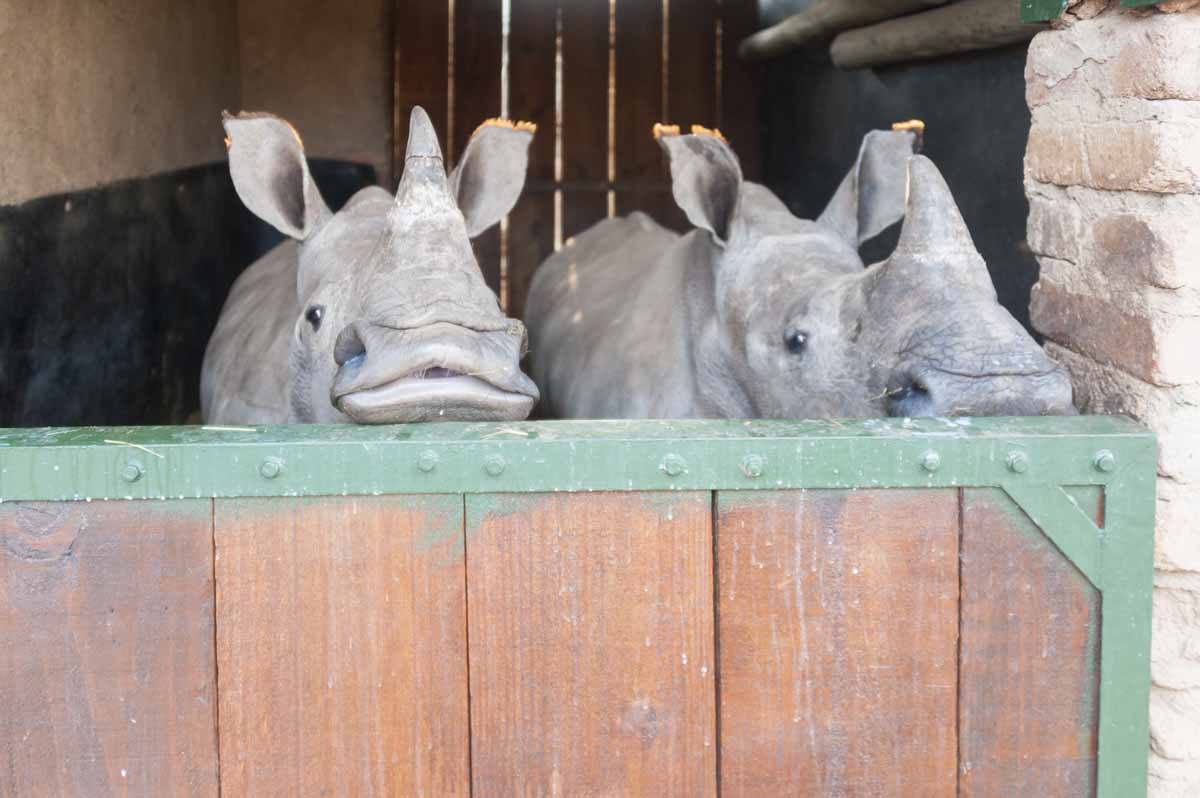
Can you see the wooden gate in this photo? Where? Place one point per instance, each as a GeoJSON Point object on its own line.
{"type": "Point", "coordinates": [608, 608]}
{"type": "Point", "coordinates": [594, 75]}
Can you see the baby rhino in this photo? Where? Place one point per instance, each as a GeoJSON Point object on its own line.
{"type": "Point", "coordinates": [378, 313]}
{"type": "Point", "coordinates": [759, 314]}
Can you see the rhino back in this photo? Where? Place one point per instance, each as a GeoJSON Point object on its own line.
{"type": "Point", "coordinates": [245, 373]}
{"type": "Point", "coordinates": [606, 324]}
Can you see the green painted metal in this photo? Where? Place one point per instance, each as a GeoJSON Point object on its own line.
{"type": "Point", "coordinates": [1138, 3]}
{"type": "Point", "coordinates": [1031, 459]}
{"type": "Point", "coordinates": [173, 462]}
{"type": "Point", "coordinates": [1041, 10]}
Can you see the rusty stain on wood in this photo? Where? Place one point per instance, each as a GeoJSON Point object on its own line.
{"type": "Point", "coordinates": [341, 644]}
{"type": "Point", "coordinates": [592, 668]}
{"type": "Point", "coordinates": [107, 677]}
{"type": "Point", "coordinates": [838, 634]}
{"type": "Point", "coordinates": [1030, 653]}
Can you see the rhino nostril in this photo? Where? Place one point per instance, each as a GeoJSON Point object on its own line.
{"type": "Point", "coordinates": [349, 345]}
{"type": "Point", "coordinates": [910, 399]}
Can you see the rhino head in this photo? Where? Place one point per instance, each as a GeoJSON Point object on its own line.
{"type": "Point", "coordinates": [395, 322]}
{"type": "Point", "coordinates": [801, 328]}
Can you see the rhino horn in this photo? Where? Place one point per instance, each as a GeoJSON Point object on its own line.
{"type": "Point", "coordinates": [423, 185]}
{"type": "Point", "coordinates": [933, 226]}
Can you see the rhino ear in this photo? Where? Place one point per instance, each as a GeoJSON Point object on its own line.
{"type": "Point", "coordinates": [706, 178]}
{"type": "Point", "coordinates": [871, 197]}
{"type": "Point", "coordinates": [270, 173]}
{"type": "Point", "coordinates": [491, 173]}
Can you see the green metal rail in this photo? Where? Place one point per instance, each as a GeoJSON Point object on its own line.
{"type": "Point", "coordinates": [1041, 10]}
{"type": "Point", "coordinates": [1038, 462]}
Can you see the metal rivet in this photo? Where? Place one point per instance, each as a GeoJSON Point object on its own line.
{"type": "Point", "coordinates": [673, 465]}
{"type": "Point", "coordinates": [1104, 460]}
{"type": "Point", "coordinates": [1017, 462]}
{"type": "Point", "coordinates": [753, 465]}
{"type": "Point", "coordinates": [427, 460]}
{"type": "Point", "coordinates": [494, 465]}
{"type": "Point", "coordinates": [271, 468]}
{"type": "Point", "coordinates": [132, 471]}
{"type": "Point", "coordinates": [931, 461]}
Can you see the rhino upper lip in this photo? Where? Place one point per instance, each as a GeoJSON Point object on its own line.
{"type": "Point", "coordinates": [431, 371]}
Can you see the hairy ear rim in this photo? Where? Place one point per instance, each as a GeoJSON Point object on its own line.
{"type": "Point", "coordinates": [706, 177]}
{"type": "Point", "coordinates": [272, 177]}
{"type": "Point", "coordinates": [481, 196]}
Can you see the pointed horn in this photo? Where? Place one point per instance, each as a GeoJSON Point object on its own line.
{"type": "Point", "coordinates": [423, 185]}
{"type": "Point", "coordinates": [422, 137]}
{"type": "Point", "coordinates": [932, 221]}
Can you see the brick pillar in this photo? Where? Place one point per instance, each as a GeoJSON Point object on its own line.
{"type": "Point", "coordinates": [1112, 172]}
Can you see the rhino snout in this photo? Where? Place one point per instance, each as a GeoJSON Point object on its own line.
{"type": "Point", "coordinates": [932, 392]}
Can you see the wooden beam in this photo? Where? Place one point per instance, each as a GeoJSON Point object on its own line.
{"type": "Point", "coordinates": [957, 28]}
{"type": "Point", "coordinates": [824, 19]}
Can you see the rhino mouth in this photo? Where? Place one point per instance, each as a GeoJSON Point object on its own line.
{"type": "Point", "coordinates": [445, 374]}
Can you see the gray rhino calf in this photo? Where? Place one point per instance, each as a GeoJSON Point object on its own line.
{"type": "Point", "coordinates": [759, 314]}
{"type": "Point", "coordinates": [376, 314]}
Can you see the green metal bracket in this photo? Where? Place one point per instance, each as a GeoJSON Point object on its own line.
{"type": "Point", "coordinates": [177, 462]}
{"type": "Point", "coordinates": [1042, 10]}
{"type": "Point", "coordinates": [1120, 566]}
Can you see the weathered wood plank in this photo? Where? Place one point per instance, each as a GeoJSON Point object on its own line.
{"type": "Point", "coordinates": [531, 81]}
{"type": "Point", "coordinates": [838, 630]}
{"type": "Point", "coordinates": [639, 105]}
{"type": "Point", "coordinates": [585, 111]}
{"type": "Point", "coordinates": [107, 675]}
{"type": "Point", "coordinates": [1029, 671]}
{"type": "Point", "coordinates": [741, 87]}
{"type": "Point", "coordinates": [591, 644]}
{"type": "Point", "coordinates": [692, 66]}
{"type": "Point", "coordinates": [692, 63]}
{"type": "Point", "coordinates": [477, 53]}
{"type": "Point", "coordinates": [421, 55]}
{"type": "Point", "coordinates": [341, 646]}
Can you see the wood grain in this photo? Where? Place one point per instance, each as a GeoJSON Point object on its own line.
{"type": "Point", "coordinates": [1030, 659]}
{"type": "Point", "coordinates": [691, 78]}
{"type": "Point", "coordinates": [591, 644]}
{"type": "Point", "coordinates": [739, 117]}
{"type": "Point", "coordinates": [642, 178]}
{"type": "Point", "coordinates": [341, 646]}
{"type": "Point", "coordinates": [585, 113]}
{"type": "Point", "coordinates": [531, 80]}
{"type": "Point", "coordinates": [837, 634]}
{"type": "Point", "coordinates": [421, 53]}
{"type": "Point", "coordinates": [477, 52]}
{"type": "Point", "coordinates": [107, 674]}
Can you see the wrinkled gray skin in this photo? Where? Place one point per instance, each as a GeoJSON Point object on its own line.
{"type": "Point", "coordinates": [759, 314]}
{"type": "Point", "coordinates": [376, 314]}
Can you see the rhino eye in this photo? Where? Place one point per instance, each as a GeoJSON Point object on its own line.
{"type": "Point", "coordinates": [795, 341]}
{"type": "Point", "coordinates": [313, 315]}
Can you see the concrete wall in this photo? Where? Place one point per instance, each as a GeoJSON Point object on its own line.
{"type": "Point", "coordinates": [326, 67]}
{"type": "Point", "coordinates": [94, 92]}
{"type": "Point", "coordinates": [1112, 172]}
